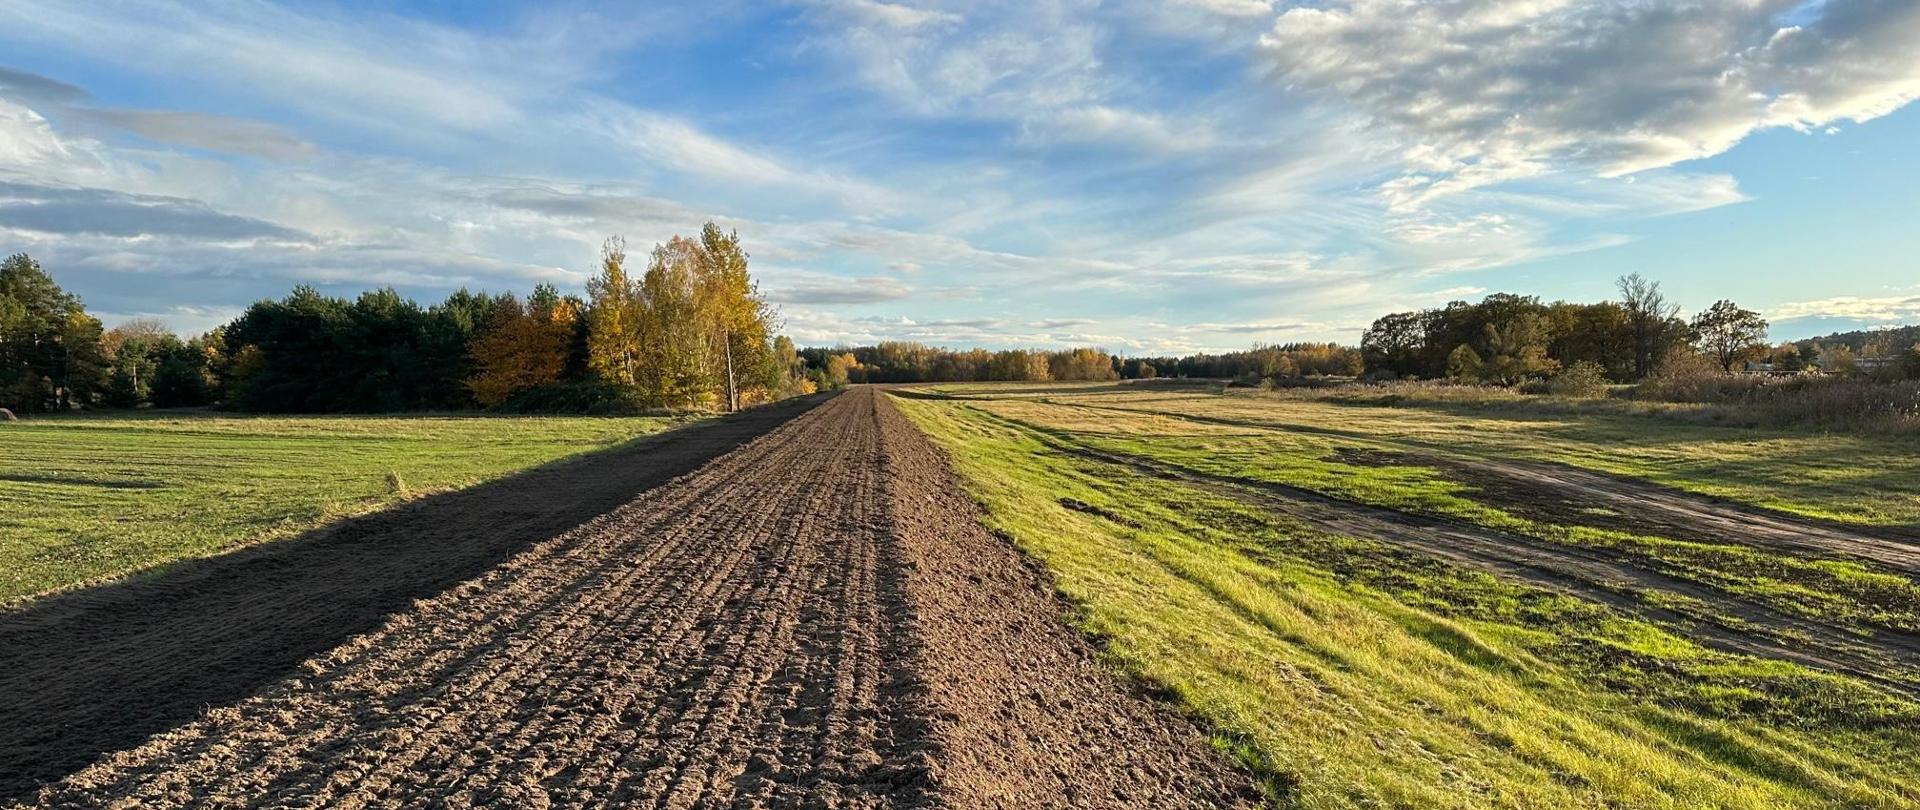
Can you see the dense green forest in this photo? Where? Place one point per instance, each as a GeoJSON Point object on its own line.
{"type": "Point", "coordinates": [690, 331]}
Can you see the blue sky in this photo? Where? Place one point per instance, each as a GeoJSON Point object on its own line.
{"type": "Point", "coordinates": [1145, 176]}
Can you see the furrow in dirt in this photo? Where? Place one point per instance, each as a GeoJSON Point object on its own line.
{"type": "Point", "coordinates": [814, 619]}
{"type": "Point", "coordinates": [102, 669]}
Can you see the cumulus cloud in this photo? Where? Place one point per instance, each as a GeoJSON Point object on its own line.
{"type": "Point", "coordinates": [1486, 91]}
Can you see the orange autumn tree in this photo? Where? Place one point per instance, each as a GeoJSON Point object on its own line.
{"type": "Point", "coordinates": [524, 346]}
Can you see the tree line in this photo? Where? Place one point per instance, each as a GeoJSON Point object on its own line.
{"type": "Point", "coordinates": [1507, 338]}
{"type": "Point", "coordinates": [690, 330]}
{"type": "Point", "coordinates": [906, 362]}
{"type": "Point", "coordinates": [909, 362]}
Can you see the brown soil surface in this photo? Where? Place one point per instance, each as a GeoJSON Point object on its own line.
{"type": "Point", "coordinates": [814, 619]}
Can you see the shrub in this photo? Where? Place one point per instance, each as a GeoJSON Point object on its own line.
{"type": "Point", "coordinates": [1584, 379]}
{"type": "Point", "coordinates": [580, 397]}
{"type": "Point", "coordinates": [1834, 400]}
{"type": "Point", "coordinates": [1688, 376]}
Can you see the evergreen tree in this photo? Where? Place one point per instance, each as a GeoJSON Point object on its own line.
{"type": "Point", "coordinates": [51, 357]}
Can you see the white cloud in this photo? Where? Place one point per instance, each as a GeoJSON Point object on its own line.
{"type": "Point", "coordinates": [202, 131]}
{"type": "Point", "coordinates": [1100, 123]}
{"type": "Point", "coordinates": [1140, 174]}
{"type": "Point", "coordinates": [681, 147]}
{"type": "Point", "coordinates": [1885, 309]}
{"type": "Point", "coordinates": [896, 15]}
{"type": "Point", "coordinates": [827, 289]}
{"type": "Point", "coordinates": [1231, 8]}
{"type": "Point", "coordinates": [1487, 91]}
{"type": "Point", "coordinates": [1037, 65]}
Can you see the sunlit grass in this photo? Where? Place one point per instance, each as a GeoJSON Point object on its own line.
{"type": "Point", "coordinates": [1868, 478]}
{"type": "Point", "coordinates": [84, 498]}
{"type": "Point", "coordinates": [1351, 674]}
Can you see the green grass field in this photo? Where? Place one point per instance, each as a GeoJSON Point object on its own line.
{"type": "Point", "coordinates": [1352, 673]}
{"type": "Point", "coordinates": [85, 498]}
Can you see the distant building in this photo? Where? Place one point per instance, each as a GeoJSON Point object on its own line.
{"type": "Point", "coordinates": [1869, 365]}
{"type": "Point", "coordinates": [1768, 369]}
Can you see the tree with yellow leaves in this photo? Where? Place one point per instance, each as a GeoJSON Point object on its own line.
{"type": "Point", "coordinates": [674, 368]}
{"type": "Point", "coordinates": [734, 318]}
{"type": "Point", "coordinates": [523, 347]}
{"type": "Point", "coordinates": [693, 331]}
{"type": "Point", "coordinates": [616, 318]}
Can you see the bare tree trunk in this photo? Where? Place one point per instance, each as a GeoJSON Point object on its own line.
{"type": "Point", "coordinates": [733, 397]}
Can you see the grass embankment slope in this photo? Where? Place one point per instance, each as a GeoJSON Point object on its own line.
{"type": "Point", "coordinates": [1354, 673]}
{"type": "Point", "coordinates": [83, 498]}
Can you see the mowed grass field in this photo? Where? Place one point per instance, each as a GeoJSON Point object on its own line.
{"type": "Point", "coordinates": [1353, 672]}
{"type": "Point", "coordinates": [91, 497]}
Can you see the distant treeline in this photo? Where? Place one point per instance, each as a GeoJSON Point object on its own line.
{"type": "Point", "coordinates": [903, 361]}
{"type": "Point", "coordinates": [692, 331]}
{"type": "Point", "coordinates": [1866, 341]}
{"type": "Point", "coordinates": [1506, 339]}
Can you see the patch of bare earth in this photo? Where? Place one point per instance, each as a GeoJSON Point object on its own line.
{"type": "Point", "coordinates": [814, 619]}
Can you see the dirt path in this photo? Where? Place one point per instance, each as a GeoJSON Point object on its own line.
{"type": "Point", "coordinates": [1720, 619]}
{"type": "Point", "coordinates": [1537, 487]}
{"type": "Point", "coordinates": [1725, 621]}
{"type": "Point", "coordinates": [814, 619]}
{"type": "Point", "coordinates": [1528, 487]}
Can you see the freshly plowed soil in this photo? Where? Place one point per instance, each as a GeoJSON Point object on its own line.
{"type": "Point", "coordinates": [104, 668]}
{"type": "Point", "coordinates": [814, 619]}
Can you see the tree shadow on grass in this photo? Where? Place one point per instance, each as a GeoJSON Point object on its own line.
{"type": "Point", "coordinates": [101, 669]}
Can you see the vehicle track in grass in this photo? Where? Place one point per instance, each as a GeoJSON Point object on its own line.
{"type": "Point", "coordinates": [815, 619]}
{"type": "Point", "coordinates": [1549, 487]}
{"type": "Point", "coordinates": [1727, 621]}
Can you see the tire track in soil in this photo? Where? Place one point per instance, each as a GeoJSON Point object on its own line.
{"type": "Point", "coordinates": [815, 619]}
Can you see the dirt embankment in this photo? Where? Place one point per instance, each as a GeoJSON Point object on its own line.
{"type": "Point", "coordinates": [1029, 719]}
{"type": "Point", "coordinates": [812, 620]}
